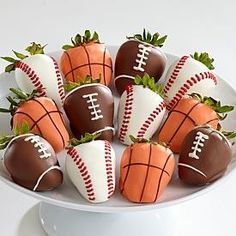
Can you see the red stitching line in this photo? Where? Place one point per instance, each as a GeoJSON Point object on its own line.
{"type": "Point", "coordinates": [84, 173]}
{"type": "Point", "coordinates": [175, 73]}
{"type": "Point", "coordinates": [32, 76]}
{"type": "Point", "coordinates": [109, 172]}
{"type": "Point", "coordinates": [150, 119]}
{"type": "Point", "coordinates": [61, 90]}
{"type": "Point", "coordinates": [127, 113]}
{"type": "Point", "coordinates": [188, 84]}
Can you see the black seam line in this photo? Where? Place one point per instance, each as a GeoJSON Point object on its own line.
{"type": "Point", "coordinates": [70, 62]}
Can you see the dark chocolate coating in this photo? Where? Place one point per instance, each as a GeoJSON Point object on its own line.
{"type": "Point", "coordinates": [213, 159]}
{"type": "Point", "coordinates": [126, 59]}
{"type": "Point", "coordinates": [79, 114]}
{"type": "Point", "coordinates": [23, 162]}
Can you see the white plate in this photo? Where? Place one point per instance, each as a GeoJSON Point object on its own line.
{"type": "Point", "coordinates": [67, 196]}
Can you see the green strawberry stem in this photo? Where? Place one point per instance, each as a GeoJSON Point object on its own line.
{"type": "Point", "coordinates": [149, 82]}
{"type": "Point", "coordinates": [205, 59]}
{"type": "Point", "coordinates": [84, 139]}
{"type": "Point", "coordinates": [69, 86]}
{"type": "Point", "coordinates": [79, 40]}
{"type": "Point", "coordinates": [24, 129]}
{"type": "Point", "coordinates": [228, 134]}
{"type": "Point", "coordinates": [143, 140]}
{"type": "Point", "coordinates": [214, 105]}
{"type": "Point", "coordinates": [147, 37]}
{"type": "Point", "coordinates": [33, 49]}
{"type": "Point", "coordinates": [19, 98]}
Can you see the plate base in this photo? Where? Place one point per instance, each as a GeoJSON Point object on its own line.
{"type": "Point", "coordinates": [58, 221]}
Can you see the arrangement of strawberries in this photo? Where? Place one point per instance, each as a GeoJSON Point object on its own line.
{"type": "Point", "coordinates": [155, 121]}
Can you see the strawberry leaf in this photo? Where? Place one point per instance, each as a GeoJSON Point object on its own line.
{"type": "Point", "coordinates": [84, 139]}
{"type": "Point", "coordinates": [25, 128]}
{"type": "Point", "coordinates": [67, 47]}
{"type": "Point", "coordinates": [205, 59]}
{"type": "Point", "coordinates": [147, 37]}
{"type": "Point", "coordinates": [19, 55]}
{"type": "Point", "coordinates": [4, 140]}
{"type": "Point", "coordinates": [9, 59]}
{"type": "Point", "coordinates": [10, 68]}
{"type": "Point", "coordinates": [35, 48]}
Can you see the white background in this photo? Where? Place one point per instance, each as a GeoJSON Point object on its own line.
{"type": "Point", "coordinates": [202, 25]}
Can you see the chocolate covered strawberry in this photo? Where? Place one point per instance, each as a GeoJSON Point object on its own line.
{"type": "Point", "coordinates": [139, 55]}
{"type": "Point", "coordinates": [37, 71]}
{"type": "Point", "coordinates": [189, 74]}
{"type": "Point", "coordinates": [86, 56]}
{"type": "Point", "coordinates": [141, 109]}
{"type": "Point", "coordinates": [189, 112]}
{"type": "Point", "coordinates": [145, 170]}
{"type": "Point", "coordinates": [90, 164]}
{"type": "Point", "coordinates": [205, 155]}
{"type": "Point", "coordinates": [31, 161]}
{"type": "Point", "coordinates": [89, 107]}
{"type": "Point", "coordinates": [42, 116]}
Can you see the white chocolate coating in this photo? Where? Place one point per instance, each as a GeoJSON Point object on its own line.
{"type": "Point", "coordinates": [94, 173]}
{"type": "Point", "coordinates": [146, 109]}
{"type": "Point", "coordinates": [186, 76]}
{"type": "Point", "coordinates": [41, 70]}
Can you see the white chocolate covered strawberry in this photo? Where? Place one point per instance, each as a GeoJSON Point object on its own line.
{"type": "Point", "coordinates": [141, 110]}
{"type": "Point", "coordinates": [37, 72]}
{"type": "Point", "coordinates": [189, 74]}
{"type": "Point", "coordinates": [90, 165]}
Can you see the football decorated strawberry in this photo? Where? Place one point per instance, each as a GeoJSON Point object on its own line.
{"type": "Point", "coordinates": [189, 74]}
{"type": "Point", "coordinates": [89, 107]}
{"type": "Point", "coordinates": [189, 112]}
{"type": "Point", "coordinates": [31, 161]}
{"type": "Point", "coordinates": [41, 114]}
{"type": "Point", "coordinates": [145, 170]}
{"type": "Point", "coordinates": [90, 164]}
{"type": "Point", "coordinates": [86, 56]}
{"type": "Point", "coordinates": [37, 71]}
{"type": "Point", "coordinates": [205, 155]}
{"type": "Point", "coordinates": [141, 109]}
{"type": "Point", "coordinates": [139, 55]}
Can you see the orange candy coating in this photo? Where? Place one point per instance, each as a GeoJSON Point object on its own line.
{"type": "Point", "coordinates": [89, 59]}
{"type": "Point", "coordinates": [43, 118]}
{"type": "Point", "coordinates": [145, 171]}
{"type": "Point", "coordinates": [184, 117]}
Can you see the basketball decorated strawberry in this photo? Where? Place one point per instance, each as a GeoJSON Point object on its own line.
{"type": "Point", "coordinates": [139, 55]}
{"type": "Point", "coordinates": [189, 112]}
{"type": "Point", "coordinates": [90, 164]}
{"type": "Point", "coordinates": [189, 74]}
{"type": "Point", "coordinates": [141, 109]}
{"type": "Point", "coordinates": [145, 170]}
{"type": "Point", "coordinates": [37, 71]}
{"type": "Point", "coordinates": [86, 56]}
{"type": "Point", "coordinates": [31, 161]}
{"type": "Point", "coordinates": [205, 155]}
{"type": "Point", "coordinates": [89, 106]}
{"type": "Point", "coordinates": [41, 114]}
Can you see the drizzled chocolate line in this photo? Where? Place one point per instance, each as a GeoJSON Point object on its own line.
{"type": "Point", "coordinates": [72, 70]}
{"type": "Point", "coordinates": [92, 64]}
{"type": "Point", "coordinates": [144, 164]}
{"type": "Point", "coordinates": [162, 172]}
{"type": "Point", "coordinates": [127, 173]}
{"type": "Point", "coordinates": [88, 57]}
{"type": "Point", "coordinates": [103, 67]}
{"type": "Point", "coordinates": [49, 115]}
{"type": "Point", "coordinates": [147, 171]}
{"type": "Point", "coordinates": [32, 119]}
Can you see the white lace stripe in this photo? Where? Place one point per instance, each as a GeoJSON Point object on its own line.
{"type": "Point", "coordinates": [192, 168]}
{"type": "Point", "coordinates": [43, 174]}
{"type": "Point", "coordinates": [104, 129]}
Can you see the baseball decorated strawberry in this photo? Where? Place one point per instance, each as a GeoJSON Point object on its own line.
{"type": "Point", "coordinates": [37, 71]}
{"type": "Point", "coordinates": [86, 56]}
{"type": "Point", "coordinates": [145, 170]}
{"type": "Point", "coordinates": [89, 107]}
{"type": "Point", "coordinates": [31, 161]}
{"type": "Point", "coordinates": [139, 55]}
{"type": "Point", "coordinates": [205, 155]}
{"type": "Point", "coordinates": [189, 112]}
{"type": "Point", "coordinates": [42, 116]}
{"type": "Point", "coordinates": [189, 74]}
{"type": "Point", "coordinates": [90, 164]}
{"type": "Point", "coordinates": [141, 109]}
